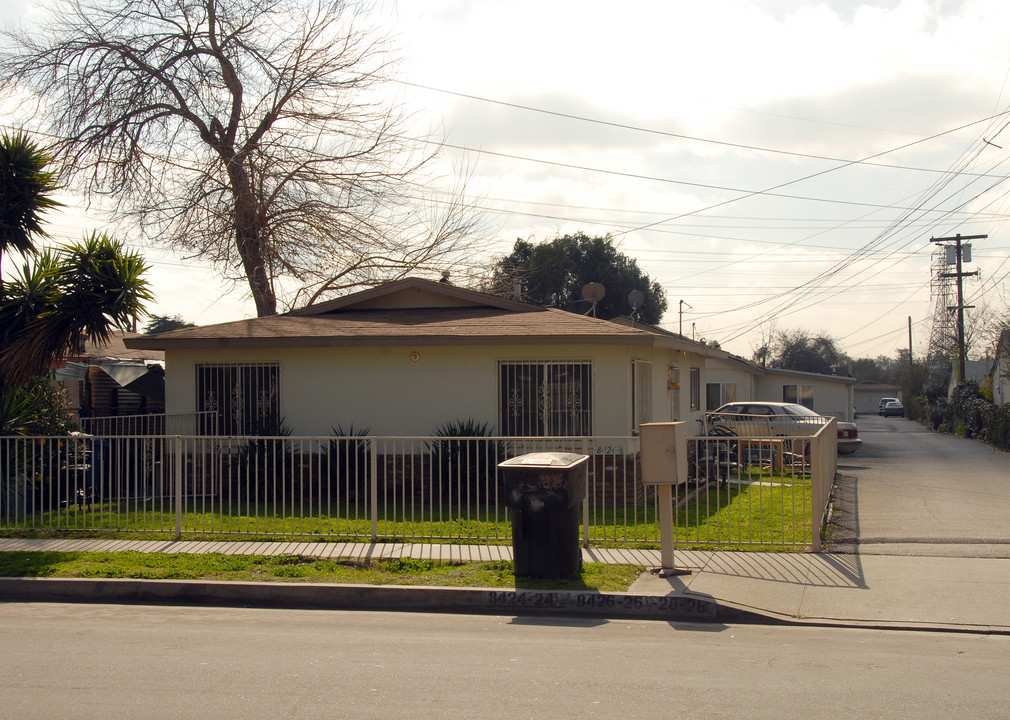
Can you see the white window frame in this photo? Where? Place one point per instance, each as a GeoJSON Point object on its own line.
{"type": "Point", "coordinates": [641, 393]}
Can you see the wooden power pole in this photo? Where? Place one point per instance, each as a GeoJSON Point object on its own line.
{"type": "Point", "coordinates": [960, 275]}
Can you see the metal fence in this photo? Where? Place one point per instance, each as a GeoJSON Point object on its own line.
{"type": "Point", "coordinates": [153, 424]}
{"type": "Point", "coordinates": [741, 491]}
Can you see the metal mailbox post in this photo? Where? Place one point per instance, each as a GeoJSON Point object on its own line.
{"type": "Point", "coordinates": [545, 493]}
{"type": "Point", "coordinates": [664, 464]}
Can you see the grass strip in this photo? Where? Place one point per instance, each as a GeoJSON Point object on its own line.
{"type": "Point", "coordinates": [295, 568]}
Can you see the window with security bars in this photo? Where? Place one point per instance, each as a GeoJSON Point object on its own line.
{"type": "Point", "coordinates": [244, 397]}
{"type": "Point", "coordinates": [545, 398]}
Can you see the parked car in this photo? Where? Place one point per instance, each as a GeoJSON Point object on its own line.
{"type": "Point", "coordinates": [883, 403]}
{"type": "Point", "coordinates": [894, 409]}
{"type": "Point", "coordinates": [777, 418]}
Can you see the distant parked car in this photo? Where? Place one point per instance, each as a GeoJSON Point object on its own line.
{"type": "Point", "coordinates": [894, 409]}
{"type": "Point", "coordinates": [883, 403]}
{"type": "Point", "coordinates": [776, 418]}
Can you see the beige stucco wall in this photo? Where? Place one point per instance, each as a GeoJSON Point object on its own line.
{"type": "Point", "coordinates": [718, 370]}
{"type": "Point", "coordinates": [384, 389]}
{"type": "Point", "coordinates": [832, 398]}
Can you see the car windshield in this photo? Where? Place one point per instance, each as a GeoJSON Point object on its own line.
{"type": "Point", "coordinates": [799, 410]}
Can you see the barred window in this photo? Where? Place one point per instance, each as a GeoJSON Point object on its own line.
{"type": "Point", "coordinates": [245, 397]}
{"type": "Point", "coordinates": [549, 397]}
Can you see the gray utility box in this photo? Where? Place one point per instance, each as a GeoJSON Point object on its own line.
{"type": "Point", "coordinates": [544, 492]}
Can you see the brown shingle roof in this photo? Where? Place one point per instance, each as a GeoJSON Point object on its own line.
{"type": "Point", "coordinates": [436, 326]}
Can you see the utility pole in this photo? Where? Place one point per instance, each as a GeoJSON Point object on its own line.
{"type": "Point", "coordinates": [680, 331]}
{"type": "Point", "coordinates": [960, 251]}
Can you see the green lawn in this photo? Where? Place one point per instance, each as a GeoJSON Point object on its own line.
{"type": "Point", "coordinates": [404, 571]}
{"type": "Point", "coordinates": [769, 512]}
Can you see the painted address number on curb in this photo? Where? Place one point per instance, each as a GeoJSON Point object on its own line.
{"type": "Point", "coordinates": [584, 601]}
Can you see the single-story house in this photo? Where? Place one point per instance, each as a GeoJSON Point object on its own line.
{"type": "Point", "coordinates": [730, 378]}
{"type": "Point", "coordinates": [407, 357]}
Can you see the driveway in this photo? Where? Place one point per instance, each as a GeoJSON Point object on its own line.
{"type": "Point", "coordinates": [910, 491]}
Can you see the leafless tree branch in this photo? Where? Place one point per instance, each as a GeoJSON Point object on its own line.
{"type": "Point", "coordinates": [253, 133]}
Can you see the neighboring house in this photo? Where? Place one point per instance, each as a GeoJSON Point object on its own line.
{"type": "Point", "coordinates": [733, 379]}
{"type": "Point", "coordinates": [409, 356]}
{"type": "Point", "coordinates": [108, 379]}
{"type": "Point", "coordinates": [829, 395]}
{"type": "Point", "coordinates": [1000, 370]}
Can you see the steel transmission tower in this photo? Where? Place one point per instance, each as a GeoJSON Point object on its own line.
{"type": "Point", "coordinates": [943, 337]}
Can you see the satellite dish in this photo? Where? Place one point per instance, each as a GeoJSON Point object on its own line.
{"type": "Point", "coordinates": [635, 299]}
{"type": "Point", "coordinates": [593, 292]}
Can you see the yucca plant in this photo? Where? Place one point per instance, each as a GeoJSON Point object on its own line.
{"type": "Point", "coordinates": [348, 463]}
{"type": "Point", "coordinates": [466, 468]}
{"type": "Point", "coordinates": [265, 461]}
{"type": "Point", "coordinates": [25, 188]}
{"type": "Point", "coordinates": [89, 288]}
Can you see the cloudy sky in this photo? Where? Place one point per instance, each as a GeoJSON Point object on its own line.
{"type": "Point", "coordinates": [771, 163]}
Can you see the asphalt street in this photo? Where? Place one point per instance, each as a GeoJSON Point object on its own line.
{"type": "Point", "coordinates": [910, 491]}
{"type": "Point", "coordinates": [114, 661]}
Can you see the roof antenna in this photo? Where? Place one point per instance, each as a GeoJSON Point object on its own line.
{"type": "Point", "coordinates": [592, 293]}
{"type": "Point", "coordinates": [635, 299]}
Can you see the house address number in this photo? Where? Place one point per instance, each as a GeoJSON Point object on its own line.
{"type": "Point", "coordinates": [676, 604]}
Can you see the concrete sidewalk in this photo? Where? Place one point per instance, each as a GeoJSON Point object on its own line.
{"type": "Point", "coordinates": [934, 593]}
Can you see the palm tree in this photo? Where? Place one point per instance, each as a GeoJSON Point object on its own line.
{"type": "Point", "coordinates": [87, 289]}
{"type": "Point", "coordinates": [25, 185]}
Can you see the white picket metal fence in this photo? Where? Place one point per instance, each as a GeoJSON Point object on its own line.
{"type": "Point", "coordinates": [741, 491]}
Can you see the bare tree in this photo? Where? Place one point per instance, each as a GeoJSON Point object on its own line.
{"type": "Point", "coordinates": [253, 133]}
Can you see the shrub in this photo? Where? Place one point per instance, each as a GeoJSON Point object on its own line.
{"type": "Point", "coordinates": [970, 414]}
{"type": "Point", "coordinates": [265, 460]}
{"type": "Point", "coordinates": [349, 463]}
{"type": "Point", "coordinates": [465, 467]}
{"type": "Point", "coordinates": [35, 407]}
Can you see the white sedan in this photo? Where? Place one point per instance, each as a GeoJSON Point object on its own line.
{"type": "Point", "coordinates": [750, 418]}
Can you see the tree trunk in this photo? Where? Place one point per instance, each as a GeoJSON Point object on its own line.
{"type": "Point", "coordinates": [249, 241]}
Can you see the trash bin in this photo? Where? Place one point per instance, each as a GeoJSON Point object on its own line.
{"type": "Point", "coordinates": [544, 492]}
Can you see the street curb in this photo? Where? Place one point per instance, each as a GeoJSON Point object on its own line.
{"type": "Point", "coordinates": [399, 598]}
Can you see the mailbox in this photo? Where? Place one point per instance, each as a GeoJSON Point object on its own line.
{"type": "Point", "coordinates": [664, 464]}
{"type": "Point", "coordinates": [664, 453]}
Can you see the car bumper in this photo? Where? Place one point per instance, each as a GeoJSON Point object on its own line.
{"type": "Point", "coordinates": [847, 446]}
